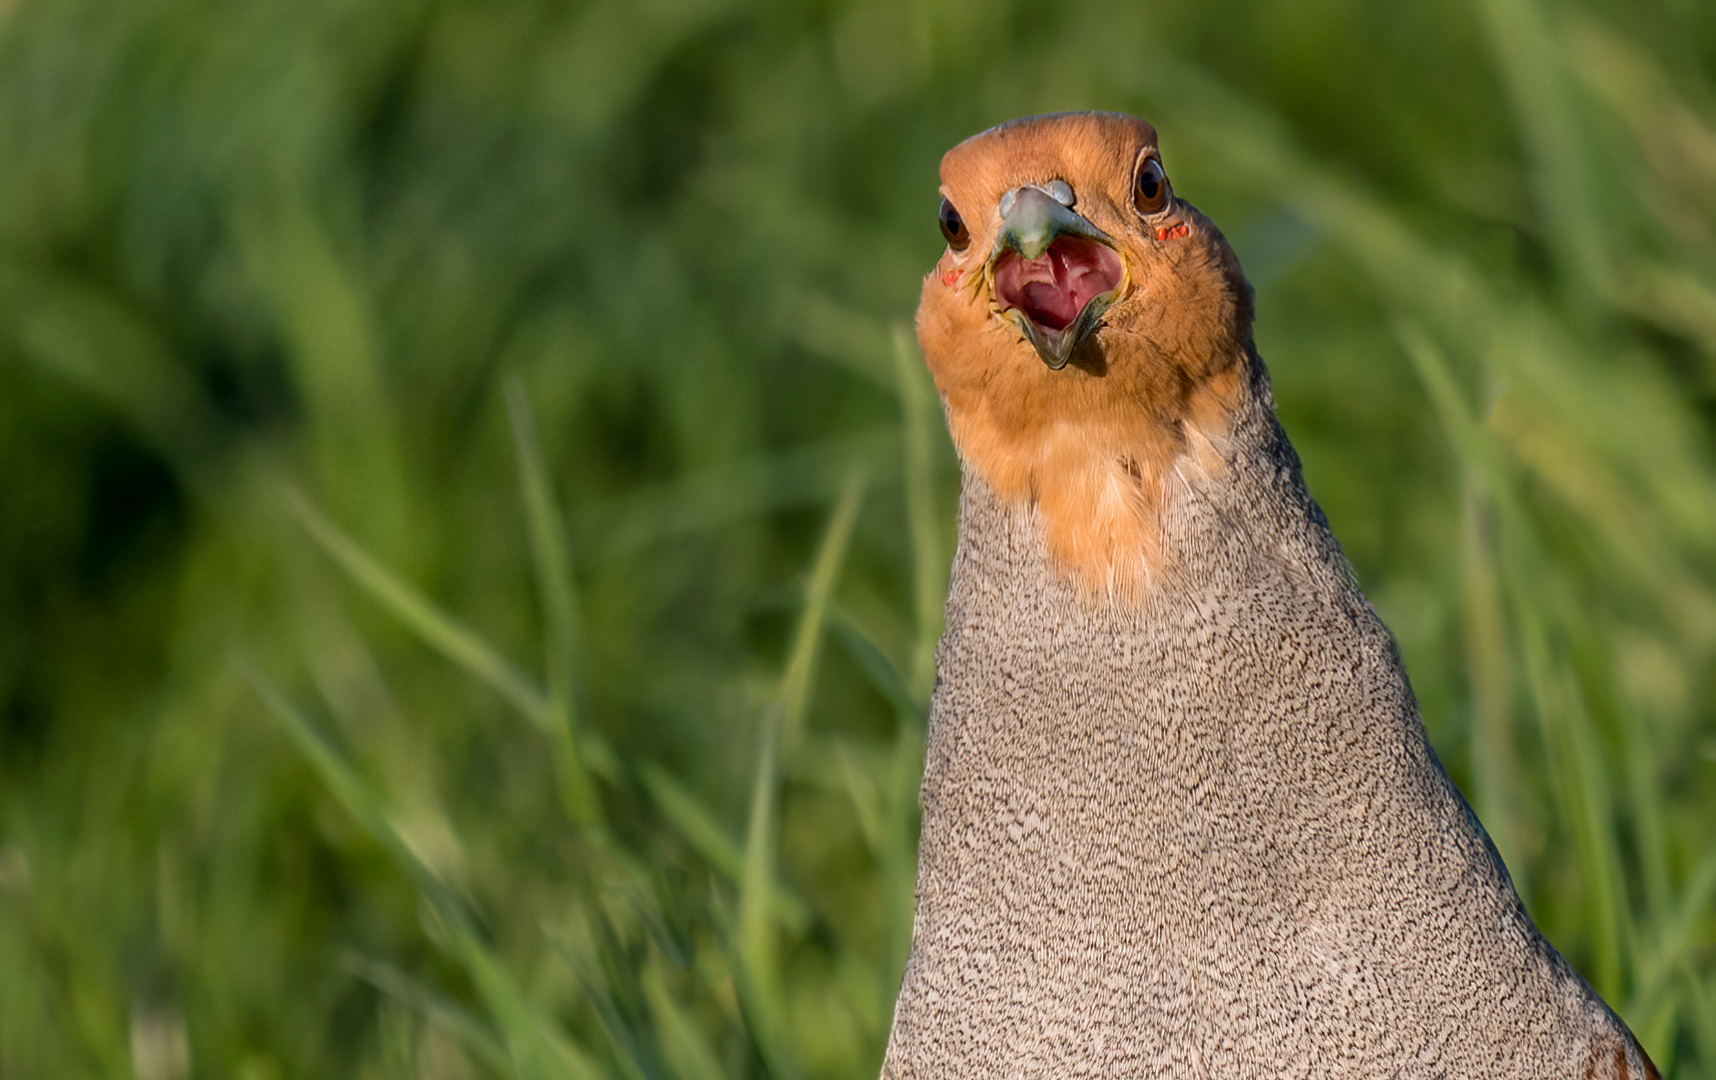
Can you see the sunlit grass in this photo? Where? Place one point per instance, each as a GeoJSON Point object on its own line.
{"type": "Point", "coordinates": [476, 520]}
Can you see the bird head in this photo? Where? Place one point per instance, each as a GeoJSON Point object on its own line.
{"type": "Point", "coordinates": [1086, 329]}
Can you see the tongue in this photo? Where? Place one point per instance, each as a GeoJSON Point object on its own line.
{"type": "Point", "coordinates": [1054, 287]}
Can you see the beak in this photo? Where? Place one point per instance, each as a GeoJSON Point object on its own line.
{"type": "Point", "coordinates": [1052, 273]}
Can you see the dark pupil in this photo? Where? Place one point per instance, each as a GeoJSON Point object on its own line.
{"type": "Point", "coordinates": [951, 226]}
{"type": "Point", "coordinates": [1149, 184]}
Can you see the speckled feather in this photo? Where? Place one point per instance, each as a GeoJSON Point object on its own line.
{"type": "Point", "coordinates": [1202, 833]}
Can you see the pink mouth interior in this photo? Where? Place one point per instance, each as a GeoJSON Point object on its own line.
{"type": "Point", "coordinates": [1054, 287]}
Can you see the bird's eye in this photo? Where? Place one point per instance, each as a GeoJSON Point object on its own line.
{"type": "Point", "coordinates": [1150, 193]}
{"type": "Point", "coordinates": [953, 227]}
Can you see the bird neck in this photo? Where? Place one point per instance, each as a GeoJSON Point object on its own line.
{"type": "Point", "coordinates": [1095, 466]}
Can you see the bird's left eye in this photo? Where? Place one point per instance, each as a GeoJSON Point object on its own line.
{"type": "Point", "coordinates": [953, 227]}
{"type": "Point", "coordinates": [1150, 193]}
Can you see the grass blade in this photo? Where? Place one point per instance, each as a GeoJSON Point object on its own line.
{"type": "Point", "coordinates": [918, 421]}
{"type": "Point", "coordinates": [436, 628]}
{"type": "Point", "coordinates": [794, 696]}
{"type": "Point", "coordinates": [682, 1044]}
{"type": "Point", "coordinates": [439, 1009]}
{"type": "Point", "coordinates": [1547, 120]}
{"type": "Point", "coordinates": [554, 585]}
{"type": "Point", "coordinates": [696, 825]}
{"type": "Point", "coordinates": [755, 944]}
{"type": "Point", "coordinates": [536, 1048]}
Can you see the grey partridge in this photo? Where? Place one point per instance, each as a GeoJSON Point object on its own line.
{"type": "Point", "coordinates": [1180, 815]}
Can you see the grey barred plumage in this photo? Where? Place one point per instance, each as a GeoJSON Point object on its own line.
{"type": "Point", "coordinates": [1192, 828]}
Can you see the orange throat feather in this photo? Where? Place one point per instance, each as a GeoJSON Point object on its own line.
{"type": "Point", "coordinates": [1091, 461]}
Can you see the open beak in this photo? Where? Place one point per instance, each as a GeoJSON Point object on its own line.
{"type": "Point", "coordinates": [1052, 273]}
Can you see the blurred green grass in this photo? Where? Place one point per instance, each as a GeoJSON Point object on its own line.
{"type": "Point", "coordinates": [474, 517]}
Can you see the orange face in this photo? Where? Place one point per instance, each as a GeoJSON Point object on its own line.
{"type": "Point", "coordinates": [1082, 325]}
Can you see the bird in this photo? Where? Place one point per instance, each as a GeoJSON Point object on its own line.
{"type": "Point", "coordinates": [1180, 814]}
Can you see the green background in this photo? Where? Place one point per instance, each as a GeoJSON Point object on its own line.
{"type": "Point", "coordinates": [473, 518]}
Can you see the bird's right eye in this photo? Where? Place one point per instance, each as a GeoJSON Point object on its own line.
{"type": "Point", "coordinates": [1150, 191]}
{"type": "Point", "coordinates": [953, 227]}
